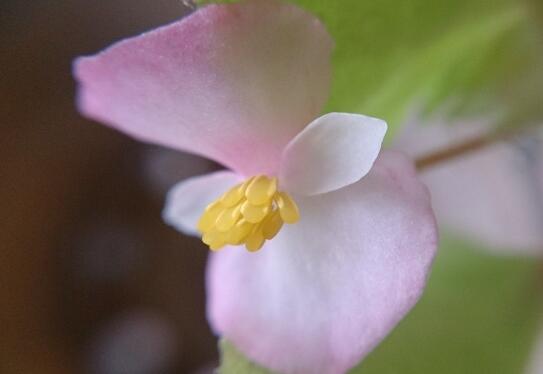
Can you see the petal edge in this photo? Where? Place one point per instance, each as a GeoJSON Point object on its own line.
{"type": "Point", "coordinates": [333, 151]}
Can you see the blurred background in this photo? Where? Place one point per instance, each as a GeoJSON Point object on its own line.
{"type": "Point", "coordinates": [92, 280]}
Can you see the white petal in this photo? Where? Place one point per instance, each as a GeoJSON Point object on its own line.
{"type": "Point", "coordinates": [334, 151]}
{"type": "Point", "coordinates": [187, 200]}
{"type": "Point", "coordinates": [323, 293]}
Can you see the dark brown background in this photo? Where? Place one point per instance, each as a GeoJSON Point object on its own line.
{"type": "Point", "coordinates": [91, 279]}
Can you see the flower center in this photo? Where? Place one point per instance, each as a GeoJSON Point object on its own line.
{"type": "Point", "coordinates": [249, 213]}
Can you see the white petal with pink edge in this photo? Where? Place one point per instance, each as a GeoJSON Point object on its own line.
{"type": "Point", "coordinates": [321, 295]}
{"type": "Point", "coordinates": [230, 82]}
{"type": "Point", "coordinates": [334, 151]}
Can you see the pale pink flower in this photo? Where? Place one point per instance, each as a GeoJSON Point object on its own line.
{"type": "Point", "coordinates": [243, 84]}
{"type": "Point", "coordinates": [494, 195]}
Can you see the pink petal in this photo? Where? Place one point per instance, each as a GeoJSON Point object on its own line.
{"type": "Point", "coordinates": [334, 151]}
{"type": "Point", "coordinates": [187, 200]}
{"type": "Point", "coordinates": [492, 196]}
{"type": "Point", "coordinates": [323, 293]}
{"type": "Point", "coordinates": [231, 82]}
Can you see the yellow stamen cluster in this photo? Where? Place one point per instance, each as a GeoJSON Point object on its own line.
{"type": "Point", "coordinates": [249, 213]}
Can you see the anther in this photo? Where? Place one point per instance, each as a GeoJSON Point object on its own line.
{"type": "Point", "coordinates": [249, 213]}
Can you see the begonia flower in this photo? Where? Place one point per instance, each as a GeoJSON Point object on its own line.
{"type": "Point", "coordinates": [493, 195]}
{"type": "Point", "coordinates": [243, 84]}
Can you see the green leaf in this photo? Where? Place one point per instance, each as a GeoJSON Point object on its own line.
{"type": "Point", "coordinates": [391, 55]}
{"type": "Point", "coordinates": [479, 315]}
{"type": "Point", "coordinates": [233, 362]}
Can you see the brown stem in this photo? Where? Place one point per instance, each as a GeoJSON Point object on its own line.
{"type": "Point", "coordinates": [461, 149]}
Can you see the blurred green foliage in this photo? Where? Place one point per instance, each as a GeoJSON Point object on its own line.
{"type": "Point", "coordinates": [479, 314]}
{"type": "Point", "coordinates": [233, 362]}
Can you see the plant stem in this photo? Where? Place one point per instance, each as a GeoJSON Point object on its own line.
{"type": "Point", "coordinates": [461, 149]}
